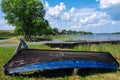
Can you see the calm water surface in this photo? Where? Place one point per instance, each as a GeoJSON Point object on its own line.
{"type": "Point", "coordinates": [98, 37]}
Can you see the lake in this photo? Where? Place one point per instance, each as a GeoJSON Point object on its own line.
{"type": "Point", "coordinates": [98, 37]}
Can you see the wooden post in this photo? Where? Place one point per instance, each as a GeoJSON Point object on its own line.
{"type": "Point", "coordinates": [18, 48]}
{"type": "Point", "coordinates": [75, 71]}
{"type": "Point", "coordinates": [4, 71]}
{"type": "Point", "coordinates": [20, 45]}
{"type": "Point", "coordinates": [23, 43]}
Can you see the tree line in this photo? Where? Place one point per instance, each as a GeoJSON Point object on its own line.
{"type": "Point", "coordinates": [69, 32]}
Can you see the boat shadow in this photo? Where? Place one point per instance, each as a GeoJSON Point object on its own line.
{"type": "Point", "coordinates": [63, 73]}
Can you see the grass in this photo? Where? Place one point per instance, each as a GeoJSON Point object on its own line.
{"type": "Point", "coordinates": [13, 41]}
{"type": "Point", "coordinates": [60, 36]}
{"type": "Point", "coordinates": [114, 49]}
{"type": "Point", "coordinates": [7, 52]}
{"type": "Point", "coordinates": [7, 33]}
{"type": "Point", "coordinates": [41, 46]}
{"type": "Point", "coordinates": [1, 37]}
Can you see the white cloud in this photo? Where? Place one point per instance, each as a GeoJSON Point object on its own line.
{"type": "Point", "coordinates": [72, 9]}
{"type": "Point", "coordinates": [115, 23]}
{"type": "Point", "coordinates": [112, 7]}
{"type": "Point", "coordinates": [65, 16]}
{"type": "Point", "coordinates": [55, 11]}
{"type": "Point", "coordinates": [108, 3]}
{"type": "Point", "coordinates": [100, 23]}
{"type": "Point", "coordinates": [5, 26]}
{"type": "Point", "coordinates": [88, 19]}
{"type": "Point", "coordinates": [84, 19]}
{"type": "Point", "coordinates": [46, 5]}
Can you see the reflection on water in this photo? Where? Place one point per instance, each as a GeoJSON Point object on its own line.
{"type": "Point", "coordinates": [98, 37]}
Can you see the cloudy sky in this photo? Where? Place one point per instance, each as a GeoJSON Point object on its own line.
{"type": "Point", "coordinates": [98, 16]}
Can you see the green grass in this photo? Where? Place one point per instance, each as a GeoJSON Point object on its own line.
{"type": "Point", "coordinates": [12, 31]}
{"type": "Point", "coordinates": [12, 40]}
{"type": "Point", "coordinates": [114, 49]}
{"type": "Point", "coordinates": [7, 33]}
{"type": "Point", "coordinates": [7, 36]}
{"type": "Point", "coordinates": [41, 46]}
{"type": "Point", "coordinates": [60, 36]}
{"type": "Point", "coordinates": [7, 52]}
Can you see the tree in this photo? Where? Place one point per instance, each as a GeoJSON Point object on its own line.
{"type": "Point", "coordinates": [47, 30]}
{"type": "Point", "coordinates": [55, 31]}
{"type": "Point", "coordinates": [64, 31]}
{"type": "Point", "coordinates": [69, 32]}
{"type": "Point", "coordinates": [26, 15]}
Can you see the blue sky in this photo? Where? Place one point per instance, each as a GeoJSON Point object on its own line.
{"type": "Point", "coordinates": [73, 3]}
{"type": "Point", "coordinates": [97, 16]}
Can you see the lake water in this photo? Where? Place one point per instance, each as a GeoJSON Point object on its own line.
{"type": "Point", "coordinates": [98, 37]}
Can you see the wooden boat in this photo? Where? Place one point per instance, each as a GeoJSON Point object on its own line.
{"type": "Point", "coordinates": [73, 43]}
{"type": "Point", "coordinates": [25, 60]}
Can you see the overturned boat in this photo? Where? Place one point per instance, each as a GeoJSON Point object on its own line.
{"type": "Point", "coordinates": [25, 60]}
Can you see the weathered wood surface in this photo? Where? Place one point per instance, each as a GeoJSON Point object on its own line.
{"type": "Point", "coordinates": [32, 56]}
{"type": "Point", "coordinates": [62, 44]}
{"type": "Point", "coordinates": [70, 44]}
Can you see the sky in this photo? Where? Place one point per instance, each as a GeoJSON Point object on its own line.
{"type": "Point", "coordinates": [97, 16]}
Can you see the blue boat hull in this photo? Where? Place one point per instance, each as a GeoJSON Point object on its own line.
{"type": "Point", "coordinates": [61, 65]}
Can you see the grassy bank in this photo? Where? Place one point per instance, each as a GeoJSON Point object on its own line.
{"type": "Point", "coordinates": [114, 49]}
{"type": "Point", "coordinates": [7, 52]}
{"type": "Point", "coordinates": [60, 36]}
{"type": "Point", "coordinates": [7, 33]}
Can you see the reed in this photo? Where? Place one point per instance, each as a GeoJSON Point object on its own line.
{"type": "Point", "coordinates": [114, 49]}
